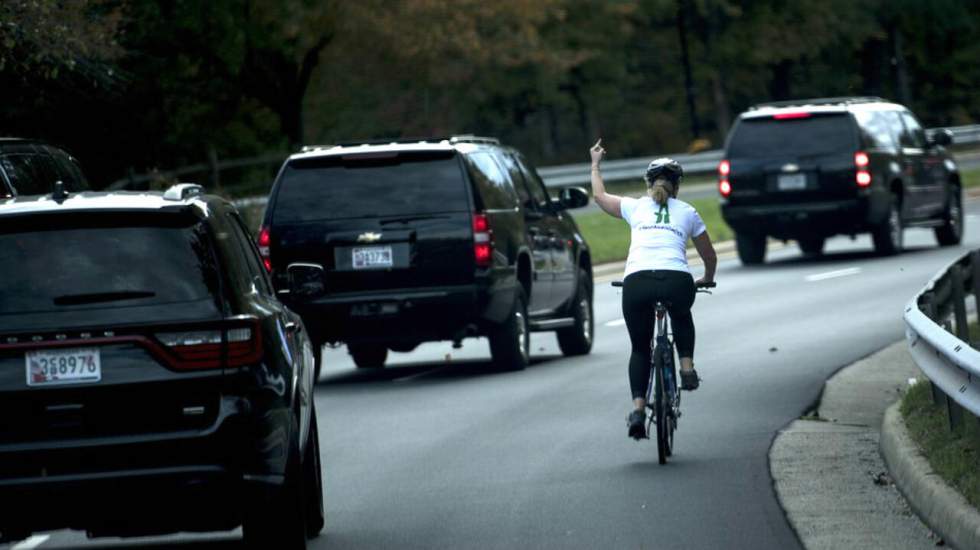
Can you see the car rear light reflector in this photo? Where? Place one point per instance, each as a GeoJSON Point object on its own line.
{"type": "Point", "coordinates": [203, 349]}
{"type": "Point", "coordinates": [863, 178]}
{"type": "Point", "coordinates": [265, 241]}
{"type": "Point", "coordinates": [724, 168]}
{"type": "Point", "coordinates": [725, 188]}
{"type": "Point", "coordinates": [793, 115]}
{"type": "Point", "coordinates": [861, 159]}
{"type": "Point", "coordinates": [482, 240]}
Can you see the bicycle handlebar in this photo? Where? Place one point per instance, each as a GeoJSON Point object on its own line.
{"type": "Point", "coordinates": [698, 285]}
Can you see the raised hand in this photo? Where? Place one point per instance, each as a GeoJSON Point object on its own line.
{"type": "Point", "coordinates": [597, 153]}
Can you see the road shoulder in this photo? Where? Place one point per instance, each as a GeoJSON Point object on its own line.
{"type": "Point", "coordinates": [829, 476]}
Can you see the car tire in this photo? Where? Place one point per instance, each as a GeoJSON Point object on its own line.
{"type": "Point", "coordinates": [510, 342]}
{"type": "Point", "coordinates": [577, 339]}
{"type": "Point", "coordinates": [277, 518]}
{"type": "Point", "coordinates": [368, 356]}
{"type": "Point", "coordinates": [317, 361]}
{"type": "Point", "coordinates": [313, 481]}
{"type": "Point", "coordinates": [811, 246]}
{"type": "Point", "coordinates": [951, 232]}
{"type": "Point", "coordinates": [751, 248]}
{"type": "Point", "coordinates": [888, 235]}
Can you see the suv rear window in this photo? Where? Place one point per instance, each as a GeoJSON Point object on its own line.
{"type": "Point", "coordinates": [814, 135]}
{"type": "Point", "coordinates": [369, 186]}
{"type": "Point", "coordinates": [110, 263]}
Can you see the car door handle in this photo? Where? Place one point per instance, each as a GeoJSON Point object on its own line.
{"type": "Point", "coordinates": [292, 327]}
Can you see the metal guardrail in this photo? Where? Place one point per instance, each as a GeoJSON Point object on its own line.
{"type": "Point", "coordinates": [944, 355]}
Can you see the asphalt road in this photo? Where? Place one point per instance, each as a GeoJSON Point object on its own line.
{"type": "Point", "coordinates": [438, 450]}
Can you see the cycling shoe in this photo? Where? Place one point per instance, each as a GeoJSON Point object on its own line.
{"type": "Point", "coordinates": [637, 425]}
{"type": "Point", "coordinates": [690, 380]}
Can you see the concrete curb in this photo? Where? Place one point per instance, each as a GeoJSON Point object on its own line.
{"type": "Point", "coordinates": [940, 506]}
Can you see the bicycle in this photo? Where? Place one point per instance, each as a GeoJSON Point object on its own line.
{"type": "Point", "coordinates": [666, 399]}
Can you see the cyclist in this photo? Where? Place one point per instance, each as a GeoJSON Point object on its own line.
{"type": "Point", "coordinates": [657, 270]}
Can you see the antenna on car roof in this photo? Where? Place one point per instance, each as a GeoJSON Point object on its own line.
{"type": "Point", "coordinates": [59, 194]}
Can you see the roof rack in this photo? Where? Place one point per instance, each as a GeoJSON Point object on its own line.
{"type": "Point", "coordinates": [846, 100]}
{"type": "Point", "coordinates": [181, 191]}
{"type": "Point", "coordinates": [462, 138]}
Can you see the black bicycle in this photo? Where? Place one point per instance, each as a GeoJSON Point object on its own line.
{"type": "Point", "coordinates": [663, 397]}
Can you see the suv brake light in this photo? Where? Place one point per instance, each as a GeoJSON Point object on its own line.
{"type": "Point", "coordinates": [724, 185]}
{"type": "Point", "coordinates": [202, 349]}
{"type": "Point", "coordinates": [264, 241]}
{"type": "Point", "coordinates": [725, 188]}
{"type": "Point", "coordinates": [793, 115]}
{"type": "Point", "coordinates": [862, 162]}
{"type": "Point", "coordinates": [482, 240]}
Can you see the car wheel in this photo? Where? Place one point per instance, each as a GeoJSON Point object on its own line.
{"type": "Point", "coordinates": [317, 361]}
{"type": "Point", "coordinates": [277, 518]}
{"type": "Point", "coordinates": [577, 339]}
{"type": "Point", "coordinates": [510, 342]}
{"type": "Point", "coordinates": [951, 232]}
{"type": "Point", "coordinates": [313, 481]}
{"type": "Point", "coordinates": [888, 236]}
{"type": "Point", "coordinates": [751, 248]}
{"type": "Point", "coordinates": [368, 356]}
{"type": "Point", "coordinates": [812, 246]}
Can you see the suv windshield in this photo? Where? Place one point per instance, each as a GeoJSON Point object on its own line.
{"type": "Point", "coordinates": [361, 186]}
{"type": "Point", "coordinates": [815, 135]}
{"type": "Point", "coordinates": [77, 264]}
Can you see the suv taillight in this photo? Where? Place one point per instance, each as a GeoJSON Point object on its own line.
{"type": "Point", "coordinates": [724, 185]}
{"type": "Point", "coordinates": [482, 240]}
{"type": "Point", "coordinates": [201, 348]}
{"type": "Point", "coordinates": [862, 162]}
{"type": "Point", "coordinates": [264, 240]}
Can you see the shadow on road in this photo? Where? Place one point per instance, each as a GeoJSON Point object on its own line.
{"type": "Point", "coordinates": [431, 371]}
{"type": "Point", "coordinates": [837, 257]}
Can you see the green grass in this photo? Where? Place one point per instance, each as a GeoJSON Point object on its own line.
{"type": "Point", "coordinates": [609, 237]}
{"type": "Point", "coordinates": [954, 456]}
{"type": "Point", "coordinates": [970, 178]}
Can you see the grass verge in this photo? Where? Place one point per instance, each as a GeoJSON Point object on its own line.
{"type": "Point", "coordinates": [955, 456]}
{"type": "Point", "coordinates": [970, 178]}
{"type": "Point", "coordinates": [609, 237]}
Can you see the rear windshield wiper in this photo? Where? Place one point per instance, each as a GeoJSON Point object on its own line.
{"type": "Point", "coordinates": [96, 297]}
{"type": "Point", "coordinates": [406, 219]}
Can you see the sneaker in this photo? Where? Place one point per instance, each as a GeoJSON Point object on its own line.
{"type": "Point", "coordinates": [690, 380]}
{"type": "Point", "coordinates": [637, 422]}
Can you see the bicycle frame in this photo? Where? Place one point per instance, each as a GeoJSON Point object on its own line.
{"type": "Point", "coordinates": [663, 386]}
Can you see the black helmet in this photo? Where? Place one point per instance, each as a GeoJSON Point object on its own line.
{"type": "Point", "coordinates": [666, 168]}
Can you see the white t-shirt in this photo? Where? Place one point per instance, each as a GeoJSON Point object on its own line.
{"type": "Point", "coordinates": [659, 233]}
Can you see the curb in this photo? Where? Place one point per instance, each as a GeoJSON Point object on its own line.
{"type": "Point", "coordinates": [940, 506]}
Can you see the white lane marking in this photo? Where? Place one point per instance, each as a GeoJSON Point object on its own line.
{"type": "Point", "coordinates": [32, 542]}
{"type": "Point", "coordinates": [616, 323]}
{"type": "Point", "coordinates": [833, 274]}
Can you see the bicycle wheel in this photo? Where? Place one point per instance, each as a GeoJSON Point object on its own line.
{"type": "Point", "coordinates": [671, 397]}
{"type": "Point", "coordinates": [660, 409]}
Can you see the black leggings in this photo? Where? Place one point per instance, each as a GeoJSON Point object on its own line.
{"type": "Point", "coordinates": [641, 292]}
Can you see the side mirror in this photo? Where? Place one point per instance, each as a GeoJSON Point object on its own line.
{"type": "Point", "coordinates": [941, 137]}
{"type": "Point", "coordinates": [573, 197]}
{"type": "Point", "coordinates": [305, 281]}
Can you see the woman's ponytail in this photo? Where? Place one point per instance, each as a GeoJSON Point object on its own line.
{"type": "Point", "coordinates": [659, 191]}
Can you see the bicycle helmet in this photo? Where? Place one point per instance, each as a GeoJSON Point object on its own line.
{"type": "Point", "coordinates": [666, 168]}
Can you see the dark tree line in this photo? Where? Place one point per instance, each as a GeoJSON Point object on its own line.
{"type": "Point", "coordinates": [132, 85]}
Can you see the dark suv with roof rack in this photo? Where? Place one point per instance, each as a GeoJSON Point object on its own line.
{"type": "Point", "coordinates": [813, 168]}
{"type": "Point", "coordinates": [150, 381]}
{"type": "Point", "coordinates": [29, 167]}
{"type": "Point", "coordinates": [405, 242]}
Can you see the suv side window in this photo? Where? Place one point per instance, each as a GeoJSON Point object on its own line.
{"type": "Point", "coordinates": [876, 130]}
{"type": "Point", "coordinates": [68, 170]}
{"type": "Point", "coordinates": [510, 164]}
{"type": "Point", "coordinates": [495, 189]}
{"type": "Point", "coordinates": [534, 185]}
{"type": "Point", "coordinates": [917, 135]}
{"type": "Point", "coordinates": [27, 174]}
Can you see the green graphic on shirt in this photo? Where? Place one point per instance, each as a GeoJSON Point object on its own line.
{"type": "Point", "coordinates": [663, 215]}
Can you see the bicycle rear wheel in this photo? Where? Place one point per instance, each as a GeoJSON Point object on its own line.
{"type": "Point", "coordinates": [660, 404]}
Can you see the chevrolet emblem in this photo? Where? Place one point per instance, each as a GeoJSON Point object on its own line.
{"type": "Point", "coordinates": [368, 237]}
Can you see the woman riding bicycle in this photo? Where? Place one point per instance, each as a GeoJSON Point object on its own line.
{"type": "Point", "coordinates": [657, 270]}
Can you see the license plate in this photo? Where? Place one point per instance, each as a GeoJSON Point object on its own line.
{"type": "Point", "coordinates": [371, 257]}
{"type": "Point", "coordinates": [66, 366]}
{"type": "Point", "coordinates": [792, 182]}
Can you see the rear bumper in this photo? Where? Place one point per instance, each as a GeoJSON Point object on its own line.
{"type": "Point", "coordinates": [144, 484]}
{"type": "Point", "coordinates": [790, 221]}
{"type": "Point", "coordinates": [407, 315]}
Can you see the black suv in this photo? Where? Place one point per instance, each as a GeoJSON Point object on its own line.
{"type": "Point", "coordinates": [813, 168]}
{"type": "Point", "coordinates": [30, 167]}
{"type": "Point", "coordinates": [150, 381]}
{"type": "Point", "coordinates": [412, 241]}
